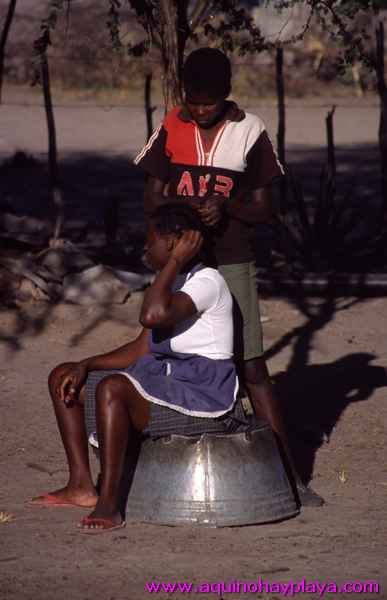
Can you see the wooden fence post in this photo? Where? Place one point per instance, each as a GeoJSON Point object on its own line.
{"type": "Point", "coordinates": [55, 188]}
{"type": "Point", "coordinates": [280, 86]}
{"type": "Point", "coordinates": [149, 109]}
{"type": "Point", "coordinates": [331, 156]}
{"type": "Point", "coordinates": [3, 40]}
{"type": "Point", "coordinates": [382, 91]}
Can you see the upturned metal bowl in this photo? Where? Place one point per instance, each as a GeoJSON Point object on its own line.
{"type": "Point", "coordinates": [214, 480]}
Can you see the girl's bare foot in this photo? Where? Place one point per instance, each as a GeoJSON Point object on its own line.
{"type": "Point", "coordinates": [99, 525]}
{"type": "Point", "coordinates": [103, 517]}
{"type": "Point", "coordinates": [67, 496]}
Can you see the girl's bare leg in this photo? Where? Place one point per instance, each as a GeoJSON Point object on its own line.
{"type": "Point", "coordinates": [79, 490]}
{"type": "Point", "coordinates": [119, 408]}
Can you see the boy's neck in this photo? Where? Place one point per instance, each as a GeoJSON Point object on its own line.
{"type": "Point", "coordinates": [219, 121]}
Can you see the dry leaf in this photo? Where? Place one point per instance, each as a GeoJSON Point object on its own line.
{"type": "Point", "coordinates": [343, 477]}
{"type": "Point", "coordinates": [6, 518]}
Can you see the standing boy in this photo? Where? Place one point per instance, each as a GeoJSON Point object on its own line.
{"type": "Point", "coordinates": [220, 159]}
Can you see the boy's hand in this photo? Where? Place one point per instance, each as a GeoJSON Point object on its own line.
{"type": "Point", "coordinates": [187, 247]}
{"type": "Point", "coordinates": [211, 210]}
{"type": "Point", "coordinates": [71, 384]}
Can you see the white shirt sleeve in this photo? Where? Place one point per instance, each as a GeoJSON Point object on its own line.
{"type": "Point", "coordinates": [203, 291]}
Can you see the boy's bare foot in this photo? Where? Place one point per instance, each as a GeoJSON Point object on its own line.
{"type": "Point", "coordinates": [308, 497]}
{"type": "Point", "coordinates": [67, 497]}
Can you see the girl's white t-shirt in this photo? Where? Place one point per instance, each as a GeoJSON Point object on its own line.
{"type": "Point", "coordinates": [210, 332]}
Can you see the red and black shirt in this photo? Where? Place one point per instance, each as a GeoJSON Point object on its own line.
{"type": "Point", "coordinates": [241, 157]}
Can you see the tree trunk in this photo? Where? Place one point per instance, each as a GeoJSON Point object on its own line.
{"type": "Point", "coordinates": [382, 90]}
{"type": "Point", "coordinates": [3, 40]}
{"type": "Point", "coordinates": [169, 53]}
{"type": "Point", "coordinates": [174, 35]}
{"type": "Point", "coordinates": [55, 189]}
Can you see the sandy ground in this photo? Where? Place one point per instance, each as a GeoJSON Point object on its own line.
{"type": "Point", "coordinates": [326, 355]}
{"type": "Point", "coordinates": [336, 370]}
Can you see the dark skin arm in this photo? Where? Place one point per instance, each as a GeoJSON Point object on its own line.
{"type": "Point", "coordinates": [257, 209]}
{"type": "Point", "coordinates": [73, 380]}
{"type": "Point", "coordinates": [120, 357]}
{"type": "Point", "coordinates": [160, 307]}
{"type": "Point", "coordinates": [154, 194]}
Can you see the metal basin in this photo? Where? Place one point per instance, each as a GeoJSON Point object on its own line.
{"type": "Point", "coordinates": [215, 481]}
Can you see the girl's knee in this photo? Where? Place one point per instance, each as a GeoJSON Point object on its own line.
{"type": "Point", "coordinates": [111, 389]}
{"type": "Point", "coordinates": [56, 374]}
{"type": "Point", "coordinates": [116, 392]}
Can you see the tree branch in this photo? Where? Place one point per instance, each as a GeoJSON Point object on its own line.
{"type": "Point", "coordinates": [198, 12]}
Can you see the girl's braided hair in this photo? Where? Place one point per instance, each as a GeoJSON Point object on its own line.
{"type": "Point", "coordinates": [177, 217]}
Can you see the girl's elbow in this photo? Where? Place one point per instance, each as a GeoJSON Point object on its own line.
{"type": "Point", "coordinates": [146, 320]}
{"type": "Point", "coordinates": [151, 320]}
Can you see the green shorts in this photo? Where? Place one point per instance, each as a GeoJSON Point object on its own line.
{"type": "Point", "coordinates": [242, 282]}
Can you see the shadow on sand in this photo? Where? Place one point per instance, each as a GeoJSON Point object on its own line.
{"type": "Point", "coordinates": [314, 396]}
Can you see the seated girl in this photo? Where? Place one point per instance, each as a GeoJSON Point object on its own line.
{"type": "Point", "coordinates": [178, 376]}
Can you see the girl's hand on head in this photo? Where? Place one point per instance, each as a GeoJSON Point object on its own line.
{"type": "Point", "coordinates": [187, 247]}
{"type": "Point", "coordinates": [71, 383]}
